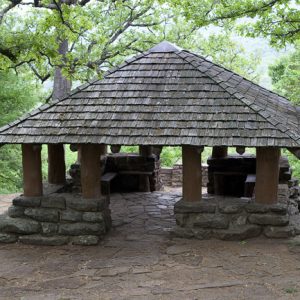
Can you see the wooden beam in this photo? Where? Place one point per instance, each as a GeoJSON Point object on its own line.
{"type": "Point", "coordinates": [192, 173]}
{"type": "Point", "coordinates": [219, 152]}
{"type": "Point", "coordinates": [295, 151]}
{"type": "Point", "coordinates": [267, 175]}
{"type": "Point", "coordinates": [32, 170]}
{"type": "Point", "coordinates": [90, 171]}
{"type": "Point", "coordinates": [56, 164]}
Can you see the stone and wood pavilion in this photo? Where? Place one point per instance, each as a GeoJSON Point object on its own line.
{"type": "Point", "coordinates": [163, 97]}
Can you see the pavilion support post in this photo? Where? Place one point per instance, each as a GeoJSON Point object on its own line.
{"type": "Point", "coordinates": [267, 175]}
{"type": "Point", "coordinates": [145, 151]}
{"type": "Point", "coordinates": [219, 152]}
{"type": "Point", "coordinates": [103, 149]}
{"type": "Point", "coordinates": [32, 170]}
{"type": "Point", "coordinates": [90, 171]}
{"type": "Point", "coordinates": [192, 173]}
{"type": "Point", "coordinates": [56, 164]}
{"type": "Point", "coordinates": [144, 181]}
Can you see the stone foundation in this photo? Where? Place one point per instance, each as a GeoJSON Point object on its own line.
{"type": "Point", "coordinates": [229, 218]}
{"type": "Point", "coordinates": [56, 219]}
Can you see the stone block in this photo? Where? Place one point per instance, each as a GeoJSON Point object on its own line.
{"type": "Point", "coordinates": [181, 219]}
{"type": "Point", "coordinates": [54, 202]}
{"type": "Point", "coordinates": [238, 220]}
{"type": "Point", "coordinates": [18, 225]}
{"type": "Point", "coordinates": [268, 219]}
{"type": "Point", "coordinates": [42, 214]}
{"type": "Point", "coordinates": [194, 207]}
{"type": "Point", "coordinates": [279, 208]}
{"type": "Point", "coordinates": [295, 222]}
{"type": "Point", "coordinates": [81, 204]}
{"type": "Point", "coordinates": [279, 231]}
{"type": "Point", "coordinates": [37, 239]}
{"type": "Point", "coordinates": [207, 221]}
{"type": "Point", "coordinates": [237, 233]}
{"type": "Point", "coordinates": [202, 234]}
{"type": "Point", "coordinates": [8, 238]}
{"type": "Point", "coordinates": [71, 215]}
{"type": "Point", "coordinates": [16, 211]}
{"type": "Point", "coordinates": [232, 206]}
{"type": "Point", "coordinates": [49, 228]}
{"type": "Point", "coordinates": [27, 201]}
{"type": "Point", "coordinates": [92, 217]}
{"type": "Point", "coordinates": [183, 232]}
{"type": "Point", "coordinates": [82, 229]}
{"type": "Point", "coordinates": [257, 208]}
{"type": "Point", "coordinates": [85, 240]}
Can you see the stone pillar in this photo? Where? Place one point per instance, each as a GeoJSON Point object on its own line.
{"type": "Point", "coordinates": [56, 164]}
{"type": "Point", "coordinates": [267, 175]}
{"type": "Point", "coordinates": [90, 171]}
{"type": "Point", "coordinates": [219, 152]}
{"type": "Point", "coordinates": [191, 173]}
{"type": "Point", "coordinates": [144, 182]}
{"type": "Point", "coordinates": [32, 170]}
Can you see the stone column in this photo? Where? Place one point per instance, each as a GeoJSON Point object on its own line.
{"type": "Point", "coordinates": [32, 170]}
{"type": "Point", "coordinates": [191, 173]}
{"type": "Point", "coordinates": [267, 175]}
{"type": "Point", "coordinates": [144, 182]}
{"type": "Point", "coordinates": [219, 152]}
{"type": "Point", "coordinates": [90, 171]}
{"type": "Point", "coordinates": [56, 164]}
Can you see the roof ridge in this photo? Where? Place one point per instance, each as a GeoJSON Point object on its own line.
{"type": "Point", "coordinates": [126, 63]}
{"type": "Point", "coordinates": [241, 97]}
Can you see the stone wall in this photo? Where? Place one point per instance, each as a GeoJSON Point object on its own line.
{"type": "Point", "coordinates": [173, 176]}
{"type": "Point", "coordinates": [236, 218]}
{"type": "Point", "coordinates": [55, 219]}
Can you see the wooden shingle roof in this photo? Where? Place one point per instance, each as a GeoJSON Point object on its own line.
{"type": "Point", "coordinates": [165, 96]}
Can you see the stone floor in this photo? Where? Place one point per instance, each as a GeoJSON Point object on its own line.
{"type": "Point", "coordinates": [140, 259]}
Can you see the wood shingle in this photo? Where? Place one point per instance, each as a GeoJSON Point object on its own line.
{"type": "Point", "coordinates": [165, 96]}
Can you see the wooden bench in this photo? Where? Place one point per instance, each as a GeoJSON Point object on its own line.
{"type": "Point", "coordinates": [105, 182]}
{"type": "Point", "coordinates": [249, 185]}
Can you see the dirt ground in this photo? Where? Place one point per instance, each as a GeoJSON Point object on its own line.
{"type": "Point", "coordinates": [140, 259]}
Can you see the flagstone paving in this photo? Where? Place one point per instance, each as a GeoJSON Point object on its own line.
{"type": "Point", "coordinates": [140, 259]}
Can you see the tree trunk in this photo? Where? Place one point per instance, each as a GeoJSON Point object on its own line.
{"type": "Point", "coordinates": [61, 85]}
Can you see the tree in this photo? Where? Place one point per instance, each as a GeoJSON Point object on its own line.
{"type": "Point", "coordinates": [277, 20]}
{"type": "Point", "coordinates": [18, 94]}
{"type": "Point", "coordinates": [285, 74]}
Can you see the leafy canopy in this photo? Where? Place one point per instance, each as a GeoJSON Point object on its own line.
{"type": "Point", "coordinates": [277, 20]}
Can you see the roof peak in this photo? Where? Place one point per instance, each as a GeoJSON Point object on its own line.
{"type": "Point", "coordinates": [165, 46]}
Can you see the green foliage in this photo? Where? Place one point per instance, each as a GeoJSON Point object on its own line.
{"type": "Point", "coordinates": [101, 34]}
{"type": "Point", "coordinates": [285, 74]}
{"type": "Point", "coordinates": [277, 20]}
{"type": "Point", "coordinates": [170, 156]}
{"type": "Point", "coordinates": [18, 94]}
{"type": "Point", "coordinates": [130, 149]}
